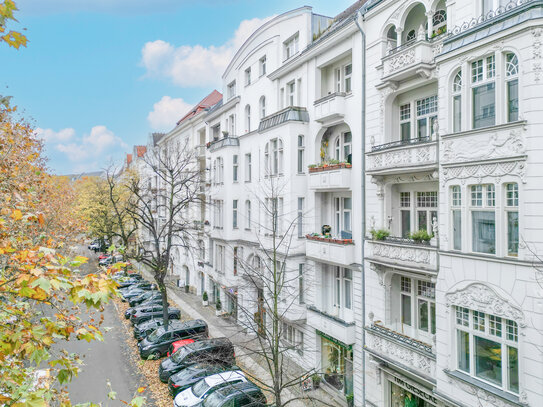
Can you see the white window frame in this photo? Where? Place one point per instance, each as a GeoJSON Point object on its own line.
{"type": "Point", "coordinates": [426, 111]}
{"type": "Point", "coordinates": [235, 214]}
{"type": "Point", "coordinates": [301, 154]}
{"type": "Point", "coordinates": [247, 118]}
{"type": "Point", "coordinates": [483, 73]}
{"type": "Point", "coordinates": [248, 214]}
{"type": "Point", "coordinates": [290, 46]}
{"type": "Point", "coordinates": [291, 93]}
{"type": "Point", "coordinates": [248, 76]}
{"type": "Point", "coordinates": [418, 291]}
{"type": "Point", "coordinates": [235, 168]}
{"type": "Point", "coordinates": [511, 76]}
{"type": "Point", "coordinates": [231, 90]}
{"type": "Point", "coordinates": [262, 64]}
{"type": "Point", "coordinates": [340, 213]}
{"type": "Point", "coordinates": [456, 210]}
{"type": "Point", "coordinates": [262, 104]}
{"type": "Point", "coordinates": [456, 93]}
{"type": "Point", "coordinates": [300, 218]}
{"type": "Point", "coordinates": [347, 77]}
{"type": "Point", "coordinates": [248, 167]}
{"type": "Point", "coordinates": [511, 206]}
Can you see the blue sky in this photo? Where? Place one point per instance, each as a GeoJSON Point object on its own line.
{"type": "Point", "coordinates": [99, 75]}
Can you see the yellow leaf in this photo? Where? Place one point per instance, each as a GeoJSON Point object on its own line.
{"type": "Point", "coordinates": [41, 219]}
{"type": "Point", "coordinates": [16, 214]}
{"type": "Point", "coordinates": [141, 389]}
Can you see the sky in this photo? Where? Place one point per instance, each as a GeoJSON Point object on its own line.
{"type": "Point", "coordinates": [98, 76]}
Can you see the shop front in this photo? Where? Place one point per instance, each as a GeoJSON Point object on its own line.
{"type": "Point", "coordinates": [337, 364]}
{"type": "Point", "coordinates": [403, 392]}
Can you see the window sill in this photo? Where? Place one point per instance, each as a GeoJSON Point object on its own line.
{"type": "Point", "coordinates": [248, 229]}
{"type": "Point", "coordinates": [481, 384]}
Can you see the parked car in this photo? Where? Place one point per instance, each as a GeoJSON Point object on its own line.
{"type": "Point", "coordinates": [156, 344]}
{"type": "Point", "coordinates": [138, 284]}
{"type": "Point", "coordinates": [145, 297]}
{"type": "Point", "coordinates": [145, 328]}
{"type": "Point", "coordinates": [153, 311]}
{"type": "Point", "coordinates": [239, 394]}
{"type": "Point", "coordinates": [111, 260]}
{"type": "Point", "coordinates": [174, 347]}
{"type": "Point", "coordinates": [217, 350]}
{"type": "Point", "coordinates": [128, 295]}
{"type": "Point", "coordinates": [155, 302]}
{"type": "Point", "coordinates": [187, 377]}
{"type": "Point", "coordinates": [202, 389]}
{"type": "Point", "coordinates": [126, 282]}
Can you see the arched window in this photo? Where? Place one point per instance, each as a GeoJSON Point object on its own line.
{"type": "Point", "coordinates": [411, 36]}
{"type": "Point", "coordinates": [247, 119]}
{"type": "Point", "coordinates": [248, 214]}
{"type": "Point", "coordinates": [457, 102]}
{"type": "Point", "coordinates": [439, 21]}
{"type": "Point", "coordinates": [511, 86]}
{"type": "Point", "coordinates": [262, 105]}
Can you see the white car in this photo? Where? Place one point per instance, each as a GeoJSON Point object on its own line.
{"type": "Point", "coordinates": [200, 390]}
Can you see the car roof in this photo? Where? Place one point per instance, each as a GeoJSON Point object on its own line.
{"type": "Point", "coordinates": [228, 376]}
{"type": "Point", "coordinates": [209, 343]}
{"type": "Point", "coordinates": [235, 389]}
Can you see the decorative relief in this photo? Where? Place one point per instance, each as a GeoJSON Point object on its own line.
{"type": "Point", "coordinates": [480, 297]}
{"type": "Point", "coordinates": [411, 155]}
{"type": "Point", "coordinates": [402, 354]}
{"type": "Point", "coordinates": [403, 253]}
{"type": "Point", "coordinates": [484, 398]}
{"type": "Point", "coordinates": [537, 54]}
{"type": "Point", "coordinates": [478, 172]}
{"type": "Point", "coordinates": [401, 60]}
{"type": "Point", "coordinates": [477, 149]}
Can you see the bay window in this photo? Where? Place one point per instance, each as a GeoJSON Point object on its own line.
{"type": "Point", "coordinates": [487, 348]}
{"type": "Point", "coordinates": [511, 85]}
{"type": "Point", "coordinates": [483, 218]}
{"type": "Point", "coordinates": [484, 92]}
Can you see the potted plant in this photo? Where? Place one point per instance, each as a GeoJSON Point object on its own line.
{"type": "Point", "coordinates": [218, 307]}
{"type": "Point", "coordinates": [379, 234]}
{"type": "Point", "coordinates": [187, 288]}
{"type": "Point", "coordinates": [420, 236]}
{"type": "Point", "coordinates": [316, 380]}
{"type": "Point", "coordinates": [225, 133]}
{"type": "Point", "coordinates": [205, 300]}
{"type": "Point", "coordinates": [350, 399]}
{"type": "Point", "coordinates": [326, 230]}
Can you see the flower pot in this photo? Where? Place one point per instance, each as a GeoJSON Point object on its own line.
{"type": "Point", "coordinates": [205, 303]}
{"type": "Point", "coordinates": [218, 313]}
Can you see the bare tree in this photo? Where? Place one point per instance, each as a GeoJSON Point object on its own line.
{"type": "Point", "coordinates": [275, 289]}
{"type": "Point", "coordinates": [162, 194]}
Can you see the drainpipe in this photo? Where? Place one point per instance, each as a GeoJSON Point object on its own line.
{"type": "Point", "coordinates": [363, 202]}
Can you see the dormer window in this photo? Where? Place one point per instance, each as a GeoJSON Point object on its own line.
{"type": "Point", "coordinates": [291, 46]}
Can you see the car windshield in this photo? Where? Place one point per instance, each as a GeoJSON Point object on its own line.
{"type": "Point", "coordinates": [213, 400]}
{"type": "Point", "coordinates": [178, 356]}
{"type": "Point", "coordinates": [153, 337]}
{"type": "Point", "coordinates": [200, 388]}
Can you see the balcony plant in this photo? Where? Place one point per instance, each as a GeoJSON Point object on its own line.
{"type": "Point", "coordinates": [316, 379]}
{"type": "Point", "coordinates": [225, 134]}
{"type": "Point", "coordinates": [379, 234]}
{"type": "Point", "coordinates": [420, 236]}
{"type": "Point", "coordinates": [205, 299]}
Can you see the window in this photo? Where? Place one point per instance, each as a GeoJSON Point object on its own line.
{"type": "Point", "coordinates": [247, 119]}
{"type": "Point", "coordinates": [426, 117]}
{"type": "Point", "coordinates": [235, 214]}
{"type": "Point", "coordinates": [342, 289]}
{"type": "Point", "coordinates": [439, 22]}
{"type": "Point", "coordinates": [417, 305]}
{"type": "Point", "coordinates": [248, 167]}
{"type": "Point", "coordinates": [484, 92]}
{"type": "Point", "coordinates": [348, 73]}
{"type": "Point", "coordinates": [426, 210]}
{"type": "Point", "coordinates": [219, 259]}
{"type": "Point", "coordinates": [282, 98]}
{"type": "Point", "coordinates": [218, 170]}
{"type": "Point", "coordinates": [456, 204]}
{"type": "Point", "coordinates": [235, 168]}
{"type": "Point", "coordinates": [262, 104]}
{"type": "Point", "coordinates": [274, 215]}
{"type": "Point", "coordinates": [512, 219]}
{"type": "Point", "coordinates": [291, 46]}
{"type": "Point", "coordinates": [291, 93]}
{"type": "Point", "coordinates": [247, 76]}
{"type": "Point", "coordinates": [292, 337]}
{"type": "Point", "coordinates": [273, 154]}
{"type": "Point", "coordinates": [483, 218]}
{"type": "Point", "coordinates": [411, 36]}
{"type": "Point", "coordinates": [232, 121]}
{"type": "Point", "coordinates": [231, 90]}
{"type": "Point", "coordinates": [457, 102]}
{"type": "Point", "coordinates": [247, 214]}
{"type": "Point", "coordinates": [218, 206]}
{"type": "Point", "coordinates": [511, 84]}
{"type": "Point", "coordinates": [405, 122]}
{"type": "Point", "coordinates": [343, 147]}
{"type": "Point", "coordinates": [405, 213]}
{"type": "Point", "coordinates": [301, 284]}
{"type": "Point", "coordinates": [487, 348]}
{"type": "Point", "coordinates": [338, 79]}
{"type": "Point", "coordinates": [201, 249]}
{"type": "Point", "coordinates": [262, 64]}
{"type": "Point", "coordinates": [301, 151]}
{"type": "Point", "coordinates": [342, 217]}
{"type": "Point", "coordinates": [301, 217]}
{"type": "Point", "coordinates": [235, 267]}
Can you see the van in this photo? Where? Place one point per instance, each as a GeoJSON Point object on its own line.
{"type": "Point", "coordinates": [217, 350]}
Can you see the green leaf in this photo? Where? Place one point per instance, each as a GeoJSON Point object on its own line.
{"type": "Point", "coordinates": [112, 395]}
{"type": "Point", "coordinates": [137, 402]}
{"type": "Point", "coordinates": [64, 376]}
{"type": "Point", "coordinates": [43, 283]}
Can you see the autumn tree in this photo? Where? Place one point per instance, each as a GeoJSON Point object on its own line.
{"type": "Point", "coordinates": [10, 37]}
{"type": "Point", "coordinates": [162, 194]}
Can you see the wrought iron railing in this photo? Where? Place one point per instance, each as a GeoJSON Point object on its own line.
{"type": "Point", "coordinates": [405, 240]}
{"type": "Point", "coordinates": [404, 339]}
{"type": "Point", "coordinates": [490, 15]}
{"type": "Point", "coordinates": [401, 143]}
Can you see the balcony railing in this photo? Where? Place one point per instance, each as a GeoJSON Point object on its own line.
{"type": "Point", "coordinates": [224, 142]}
{"type": "Point", "coordinates": [405, 253]}
{"type": "Point", "coordinates": [330, 108]}
{"type": "Point", "coordinates": [330, 250]}
{"type": "Point", "coordinates": [403, 156]}
{"type": "Point", "coordinates": [291, 113]}
{"type": "Point", "coordinates": [400, 349]}
{"type": "Point", "coordinates": [411, 59]}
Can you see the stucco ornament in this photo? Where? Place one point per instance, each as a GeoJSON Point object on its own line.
{"type": "Point", "coordinates": [482, 298]}
{"type": "Point", "coordinates": [481, 171]}
{"type": "Point", "coordinates": [537, 54]}
{"type": "Point", "coordinates": [484, 398]}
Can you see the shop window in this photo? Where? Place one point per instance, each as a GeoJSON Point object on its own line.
{"type": "Point", "coordinates": [337, 364]}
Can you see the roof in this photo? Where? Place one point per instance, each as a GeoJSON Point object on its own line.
{"type": "Point", "coordinates": [210, 100]}
{"type": "Point", "coordinates": [140, 150]}
{"type": "Point", "coordinates": [353, 8]}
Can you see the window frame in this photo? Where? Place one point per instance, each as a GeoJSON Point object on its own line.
{"type": "Point", "coordinates": [511, 77]}
{"type": "Point", "coordinates": [409, 287]}
{"type": "Point", "coordinates": [235, 168]}
{"type": "Point", "coordinates": [510, 207]}
{"type": "Point", "coordinates": [456, 95]}
{"type": "Point", "coordinates": [301, 154]}
{"type": "Point", "coordinates": [262, 65]}
{"type": "Point", "coordinates": [248, 214]}
{"type": "Point", "coordinates": [482, 74]}
{"type": "Point", "coordinates": [248, 76]}
{"type": "Point", "coordinates": [235, 213]}
{"type": "Point", "coordinates": [482, 199]}
{"type": "Point", "coordinates": [248, 167]}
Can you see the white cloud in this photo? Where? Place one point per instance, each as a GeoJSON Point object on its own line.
{"type": "Point", "coordinates": [195, 65]}
{"type": "Point", "coordinates": [51, 136]}
{"type": "Point", "coordinates": [167, 112]}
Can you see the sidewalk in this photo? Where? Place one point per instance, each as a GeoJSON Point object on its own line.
{"type": "Point", "coordinates": [191, 307]}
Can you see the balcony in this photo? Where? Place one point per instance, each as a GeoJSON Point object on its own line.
{"type": "Point", "coordinates": [289, 114]}
{"type": "Point", "coordinates": [403, 253]}
{"type": "Point", "coordinates": [414, 155]}
{"type": "Point", "coordinates": [330, 177]}
{"type": "Point", "coordinates": [409, 60]}
{"type": "Point", "coordinates": [330, 109]}
{"type": "Point", "coordinates": [224, 142]}
{"type": "Point", "coordinates": [331, 325]}
{"type": "Point", "coordinates": [329, 250]}
{"type": "Point", "coordinates": [403, 351]}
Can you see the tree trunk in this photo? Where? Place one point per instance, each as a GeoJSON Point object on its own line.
{"type": "Point", "coordinates": [164, 293]}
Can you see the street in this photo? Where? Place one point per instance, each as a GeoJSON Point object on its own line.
{"type": "Point", "coordinates": [110, 360]}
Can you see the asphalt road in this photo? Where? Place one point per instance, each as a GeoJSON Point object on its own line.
{"type": "Point", "coordinates": [105, 361]}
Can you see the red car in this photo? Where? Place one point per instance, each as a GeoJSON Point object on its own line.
{"type": "Point", "coordinates": [174, 347]}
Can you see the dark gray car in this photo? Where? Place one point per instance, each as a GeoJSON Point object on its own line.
{"type": "Point", "coordinates": [153, 311]}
